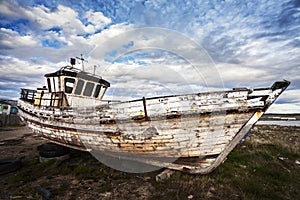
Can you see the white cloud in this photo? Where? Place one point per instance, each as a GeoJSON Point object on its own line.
{"type": "Point", "coordinates": [248, 44]}
{"type": "Point", "coordinates": [173, 62]}
{"type": "Point", "coordinates": [97, 19]}
{"type": "Point", "coordinates": [11, 39]}
{"type": "Point", "coordinates": [20, 69]}
{"type": "Point", "coordinates": [238, 75]}
{"type": "Point", "coordinates": [11, 9]}
{"type": "Point", "coordinates": [62, 16]}
{"type": "Point", "coordinates": [16, 74]}
{"type": "Point", "coordinates": [40, 42]}
{"type": "Point", "coordinates": [105, 41]}
{"type": "Point", "coordinates": [43, 18]}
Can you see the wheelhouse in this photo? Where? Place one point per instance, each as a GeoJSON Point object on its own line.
{"type": "Point", "coordinates": [74, 82]}
{"type": "Point", "coordinates": [68, 87]}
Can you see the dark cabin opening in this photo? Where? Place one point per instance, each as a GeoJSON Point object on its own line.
{"type": "Point", "coordinates": [88, 89]}
{"type": "Point", "coordinates": [69, 85]}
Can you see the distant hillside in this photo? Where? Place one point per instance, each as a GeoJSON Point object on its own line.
{"type": "Point", "coordinates": [275, 116]}
{"type": "Point", "coordinates": [10, 102]}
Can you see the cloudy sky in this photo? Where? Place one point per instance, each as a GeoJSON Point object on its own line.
{"type": "Point", "coordinates": [154, 47]}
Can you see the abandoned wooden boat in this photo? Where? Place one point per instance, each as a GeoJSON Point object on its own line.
{"type": "Point", "coordinates": [192, 132]}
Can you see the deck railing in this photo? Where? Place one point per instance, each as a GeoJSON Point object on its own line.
{"type": "Point", "coordinates": [57, 99]}
{"type": "Point", "coordinates": [28, 95]}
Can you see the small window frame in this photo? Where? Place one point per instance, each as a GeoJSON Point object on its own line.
{"type": "Point", "coordinates": [68, 89]}
{"type": "Point", "coordinates": [49, 85]}
{"type": "Point", "coordinates": [88, 89]}
{"type": "Point", "coordinates": [102, 91]}
{"type": "Point", "coordinates": [97, 91]}
{"type": "Point", "coordinates": [79, 87]}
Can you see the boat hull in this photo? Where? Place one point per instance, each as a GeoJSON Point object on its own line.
{"type": "Point", "coordinates": [170, 147]}
{"type": "Point", "coordinates": [191, 133]}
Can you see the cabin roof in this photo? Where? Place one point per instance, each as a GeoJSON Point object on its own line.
{"type": "Point", "coordinates": [73, 72]}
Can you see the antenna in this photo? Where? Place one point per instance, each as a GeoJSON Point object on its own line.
{"type": "Point", "coordinates": [82, 60]}
{"type": "Point", "coordinates": [95, 66]}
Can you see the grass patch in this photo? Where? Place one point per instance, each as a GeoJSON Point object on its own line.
{"type": "Point", "coordinates": [257, 172]}
{"type": "Point", "coordinates": [252, 171]}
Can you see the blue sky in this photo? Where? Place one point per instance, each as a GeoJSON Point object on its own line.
{"type": "Point", "coordinates": [147, 48]}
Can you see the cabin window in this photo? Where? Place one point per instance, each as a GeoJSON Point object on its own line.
{"type": "Point", "coordinates": [53, 84]}
{"type": "Point", "coordinates": [88, 89]}
{"type": "Point", "coordinates": [56, 83]}
{"type": "Point", "coordinates": [102, 91]}
{"type": "Point", "coordinates": [79, 87]}
{"type": "Point", "coordinates": [69, 85]}
{"type": "Point", "coordinates": [97, 90]}
{"type": "Point", "coordinates": [13, 110]}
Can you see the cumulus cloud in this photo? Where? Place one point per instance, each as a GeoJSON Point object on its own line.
{"type": "Point", "coordinates": [10, 39]}
{"type": "Point", "coordinates": [12, 10]}
{"type": "Point", "coordinates": [43, 18]}
{"type": "Point", "coordinates": [217, 44]}
{"type": "Point", "coordinates": [16, 74]}
{"type": "Point", "coordinates": [97, 20]}
{"type": "Point", "coordinates": [28, 54]}
{"type": "Point", "coordinates": [48, 30]}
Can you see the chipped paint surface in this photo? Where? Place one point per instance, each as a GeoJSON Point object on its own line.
{"type": "Point", "coordinates": [199, 129]}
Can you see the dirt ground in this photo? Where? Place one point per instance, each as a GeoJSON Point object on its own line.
{"type": "Point", "coordinates": [83, 177]}
{"type": "Point", "coordinates": [20, 142]}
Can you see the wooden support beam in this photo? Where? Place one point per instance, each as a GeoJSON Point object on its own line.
{"type": "Point", "coordinates": [167, 173]}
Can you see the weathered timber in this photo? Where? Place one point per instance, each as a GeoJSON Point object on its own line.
{"type": "Point", "coordinates": [192, 132]}
{"type": "Point", "coordinates": [164, 175]}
